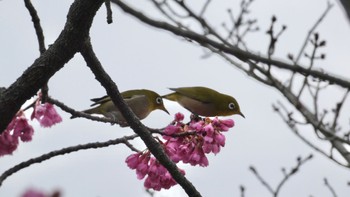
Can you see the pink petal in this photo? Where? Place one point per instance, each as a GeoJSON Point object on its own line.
{"type": "Point", "coordinates": [132, 160]}
{"type": "Point", "coordinates": [179, 117]}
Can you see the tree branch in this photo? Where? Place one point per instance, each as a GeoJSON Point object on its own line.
{"type": "Point", "coordinates": [64, 151]}
{"type": "Point", "coordinates": [235, 51]}
{"type": "Point", "coordinates": [152, 144]}
{"type": "Point", "coordinates": [286, 177]}
{"type": "Point", "coordinates": [37, 26]}
{"type": "Point", "coordinates": [79, 20]}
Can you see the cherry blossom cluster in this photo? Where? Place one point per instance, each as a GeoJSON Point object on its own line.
{"type": "Point", "coordinates": [46, 114]}
{"type": "Point", "coordinates": [158, 176]}
{"type": "Point", "coordinates": [20, 129]}
{"type": "Point", "coordinates": [186, 142]}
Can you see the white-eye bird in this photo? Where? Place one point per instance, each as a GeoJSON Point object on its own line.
{"type": "Point", "coordinates": [142, 102]}
{"type": "Point", "coordinates": [204, 101]}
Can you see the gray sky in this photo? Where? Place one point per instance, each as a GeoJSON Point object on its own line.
{"type": "Point", "coordinates": [137, 56]}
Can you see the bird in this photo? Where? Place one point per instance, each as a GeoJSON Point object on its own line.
{"type": "Point", "coordinates": [203, 101]}
{"type": "Point", "coordinates": [141, 101]}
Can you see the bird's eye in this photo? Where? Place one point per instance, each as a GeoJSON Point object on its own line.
{"type": "Point", "coordinates": [159, 100]}
{"type": "Point", "coordinates": [231, 106]}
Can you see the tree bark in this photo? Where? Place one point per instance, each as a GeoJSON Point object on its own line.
{"type": "Point", "coordinates": [76, 30]}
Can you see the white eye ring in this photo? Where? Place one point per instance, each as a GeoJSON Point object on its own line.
{"type": "Point", "coordinates": [231, 106]}
{"type": "Point", "coordinates": [159, 100]}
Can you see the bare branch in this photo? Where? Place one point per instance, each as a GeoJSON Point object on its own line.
{"type": "Point", "coordinates": [287, 175]}
{"type": "Point", "coordinates": [261, 179]}
{"type": "Point", "coordinates": [63, 151]}
{"type": "Point", "coordinates": [80, 114]}
{"type": "Point", "coordinates": [312, 30]}
{"type": "Point", "coordinates": [337, 110]}
{"type": "Point", "coordinates": [242, 190]}
{"type": "Point", "coordinates": [238, 53]}
{"type": "Point", "coordinates": [37, 26]}
{"type": "Point", "coordinates": [205, 6]}
{"type": "Point", "coordinates": [79, 20]}
{"type": "Point", "coordinates": [294, 170]}
{"type": "Point", "coordinates": [109, 11]}
{"type": "Point", "coordinates": [326, 183]}
{"type": "Point", "coordinates": [291, 124]}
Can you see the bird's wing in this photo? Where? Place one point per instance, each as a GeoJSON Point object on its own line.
{"type": "Point", "coordinates": [100, 100]}
{"type": "Point", "coordinates": [202, 94]}
{"type": "Point", "coordinates": [132, 93]}
{"type": "Point", "coordinates": [127, 97]}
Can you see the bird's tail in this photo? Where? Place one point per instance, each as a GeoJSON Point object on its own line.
{"type": "Point", "coordinates": [94, 110]}
{"type": "Point", "coordinates": [171, 96]}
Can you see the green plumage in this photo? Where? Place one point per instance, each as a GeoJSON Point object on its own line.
{"type": "Point", "coordinates": [142, 102]}
{"type": "Point", "coordinates": [204, 101]}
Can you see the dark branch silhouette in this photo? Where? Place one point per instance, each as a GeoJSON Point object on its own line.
{"type": "Point", "coordinates": [68, 43]}
{"type": "Point", "coordinates": [64, 151]}
{"type": "Point", "coordinates": [287, 175]}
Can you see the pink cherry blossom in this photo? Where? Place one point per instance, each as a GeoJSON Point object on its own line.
{"type": "Point", "coordinates": [143, 168]}
{"type": "Point", "coordinates": [133, 160]}
{"type": "Point", "coordinates": [204, 136]}
{"type": "Point", "coordinates": [139, 162]}
{"type": "Point", "coordinates": [179, 117]}
{"type": "Point", "coordinates": [170, 130]}
{"type": "Point", "coordinates": [18, 128]}
{"type": "Point", "coordinates": [157, 176]}
{"type": "Point", "coordinates": [192, 148]}
{"type": "Point", "coordinates": [45, 114]}
{"type": "Point", "coordinates": [8, 143]}
{"type": "Point", "coordinates": [23, 129]}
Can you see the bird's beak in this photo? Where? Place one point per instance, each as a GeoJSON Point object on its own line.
{"type": "Point", "coordinates": [240, 113]}
{"type": "Point", "coordinates": [164, 109]}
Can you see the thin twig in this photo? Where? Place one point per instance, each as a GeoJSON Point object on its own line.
{"type": "Point", "coordinates": [286, 177]}
{"type": "Point", "coordinates": [37, 26]}
{"type": "Point", "coordinates": [337, 110]}
{"type": "Point", "coordinates": [41, 40]}
{"type": "Point", "coordinates": [307, 38]}
{"type": "Point", "coordinates": [312, 30]}
{"type": "Point", "coordinates": [80, 114]}
{"type": "Point", "coordinates": [295, 169]}
{"type": "Point", "coordinates": [261, 179]}
{"type": "Point", "coordinates": [205, 6]}
{"type": "Point", "coordinates": [232, 50]}
{"type": "Point", "coordinates": [109, 11]}
{"type": "Point", "coordinates": [331, 189]}
{"type": "Point", "coordinates": [128, 144]}
{"type": "Point", "coordinates": [242, 190]}
{"type": "Point", "coordinates": [63, 151]}
{"type": "Point", "coordinates": [306, 141]}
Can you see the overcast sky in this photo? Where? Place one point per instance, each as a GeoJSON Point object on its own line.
{"type": "Point", "coordinates": [137, 56]}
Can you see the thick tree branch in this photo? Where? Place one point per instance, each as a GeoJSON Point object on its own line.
{"type": "Point", "coordinates": [152, 144]}
{"type": "Point", "coordinates": [77, 27]}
